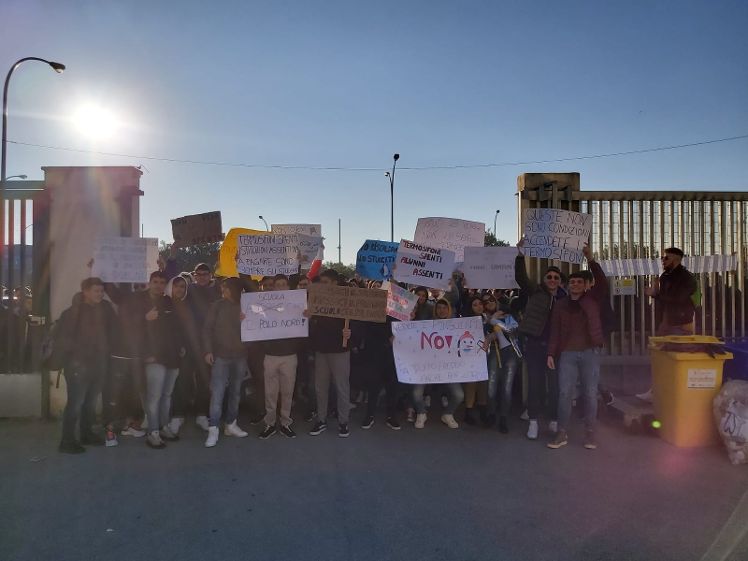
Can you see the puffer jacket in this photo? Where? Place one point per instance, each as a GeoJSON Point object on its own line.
{"type": "Point", "coordinates": [575, 320]}
{"type": "Point", "coordinates": [540, 302]}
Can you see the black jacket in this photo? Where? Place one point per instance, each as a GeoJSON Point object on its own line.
{"type": "Point", "coordinates": [326, 334]}
{"type": "Point", "coordinates": [158, 339]}
{"type": "Point", "coordinates": [674, 304]}
{"type": "Point", "coordinates": [536, 319]}
{"type": "Point", "coordinates": [84, 335]}
{"type": "Point", "coordinates": [222, 331]}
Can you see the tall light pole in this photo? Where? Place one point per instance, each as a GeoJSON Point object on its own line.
{"type": "Point", "coordinates": [495, 216]}
{"type": "Point", "coordinates": [267, 228]}
{"type": "Point", "coordinates": [391, 177]}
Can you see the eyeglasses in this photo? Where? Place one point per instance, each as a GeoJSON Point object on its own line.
{"type": "Point", "coordinates": [552, 277]}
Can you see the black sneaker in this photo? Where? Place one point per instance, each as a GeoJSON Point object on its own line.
{"type": "Point", "coordinates": [310, 416]}
{"type": "Point", "coordinates": [71, 448]}
{"type": "Point", "coordinates": [267, 433]}
{"type": "Point", "coordinates": [318, 428]}
{"type": "Point", "coordinates": [368, 423]}
{"type": "Point", "coordinates": [257, 419]}
{"type": "Point", "coordinates": [287, 431]}
{"type": "Point", "coordinates": [343, 431]}
{"type": "Point", "coordinates": [93, 439]}
{"type": "Point", "coordinates": [393, 424]}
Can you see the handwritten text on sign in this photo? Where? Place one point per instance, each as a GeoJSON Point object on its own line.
{"type": "Point", "coordinates": [450, 233]}
{"type": "Point", "coordinates": [375, 259]}
{"type": "Point", "coordinates": [309, 248]}
{"type": "Point", "coordinates": [274, 315]}
{"type": "Point", "coordinates": [440, 351]}
{"type": "Point", "coordinates": [268, 255]}
{"type": "Point", "coordinates": [556, 234]}
{"type": "Point", "coordinates": [490, 267]}
{"type": "Point", "coordinates": [348, 303]}
{"type": "Point", "coordinates": [400, 302]}
{"type": "Point", "coordinates": [289, 229]}
{"type": "Point", "coordinates": [118, 259]}
{"type": "Point", "coordinates": [424, 265]}
{"type": "Point", "coordinates": [197, 229]}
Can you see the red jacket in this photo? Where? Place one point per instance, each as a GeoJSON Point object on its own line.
{"type": "Point", "coordinates": [569, 324]}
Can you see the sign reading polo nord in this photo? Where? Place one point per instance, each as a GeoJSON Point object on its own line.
{"type": "Point", "coordinates": [440, 351]}
{"type": "Point", "coordinates": [268, 255]}
{"type": "Point", "coordinates": [450, 233]}
{"type": "Point", "coordinates": [556, 234]}
{"type": "Point", "coordinates": [274, 315]}
{"type": "Point", "coordinates": [376, 259]}
{"type": "Point", "coordinates": [125, 259]}
{"type": "Point", "coordinates": [348, 303]}
{"type": "Point", "coordinates": [490, 267]}
{"type": "Point", "coordinates": [424, 265]}
{"type": "Point", "coordinates": [197, 228]}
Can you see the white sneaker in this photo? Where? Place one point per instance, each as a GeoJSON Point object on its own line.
{"type": "Point", "coordinates": [234, 430]}
{"type": "Point", "coordinates": [202, 422]}
{"type": "Point", "coordinates": [167, 434]}
{"type": "Point", "coordinates": [175, 424]}
{"type": "Point", "coordinates": [133, 431]}
{"type": "Point", "coordinates": [553, 427]}
{"type": "Point", "coordinates": [153, 440]}
{"type": "Point", "coordinates": [647, 396]}
{"type": "Point", "coordinates": [449, 420]}
{"type": "Point", "coordinates": [532, 430]}
{"type": "Point", "coordinates": [420, 420]}
{"type": "Point", "coordinates": [525, 415]}
{"type": "Point", "coordinates": [212, 439]}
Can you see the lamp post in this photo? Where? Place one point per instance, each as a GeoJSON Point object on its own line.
{"type": "Point", "coordinates": [391, 177]}
{"type": "Point", "coordinates": [495, 216]}
{"type": "Point", "coordinates": [267, 228]}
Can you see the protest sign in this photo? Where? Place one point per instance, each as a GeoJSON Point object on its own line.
{"type": "Point", "coordinates": [440, 351]}
{"type": "Point", "coordinates": [197, 229]}
{"type": "Point", "coordinates": [119, 259]}
{"type": "Point", "coordinates": [556, 234]}
{"type": "Point", "coordinates": [423, 265]}
{"type": "Point", "coordinates": [268, 255]}
{"type": "Point", "coordinates": [450, 233]}
{"type": "Point", "coordinates": [230, 249]}
{"type": "Point", "coordinates": [274, 315]}
{"type": "Point", "coordinates": [347, 303]}
{"type": "Point", "coordinates": [400, 302]}
{"type": "Point", "coordinates": [290, 229]}
{"type": "Point", "coordinates": [375, 259]}
{"type": "Point", "coordinates": [309, 247]}
{"type": "Point", "coordinates": [490, 267]}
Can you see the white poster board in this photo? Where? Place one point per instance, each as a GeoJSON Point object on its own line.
{"type": "Point", "coordinates": [268, 255]}
{"type": "Point", "coordinates": [118, 259]}
{"type": "Point", "coordinates": [556, 234]}
{"type": "Point", "coordinates": [274, 315]}
{"type": "Point", "coordinates": [423, 265]}
{"type": "Point", "coordinates": [440, 351]}
{"type": "Point", "coordinates": [450, 233]}
{"type": "Point", "coordinates": [400, 302]}
{"type": "Point", "coordinates": [490, 267]}
{"type": "Point", "coordinates": [309, 247]}
{"type": "Point", "coordinates": [290, 229]}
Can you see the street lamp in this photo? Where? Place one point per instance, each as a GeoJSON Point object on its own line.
{"type": "Point", "coordinates": [495, 216]}
{"type": "Point", "coordinates": [267, 228]}
{"type": "Point", "coordinates": [391, 177]}
{"type": "Point", "coordinates": [22, 176]}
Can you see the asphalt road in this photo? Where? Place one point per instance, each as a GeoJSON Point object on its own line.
{"type": "Point", "coordinates": [436, 494]}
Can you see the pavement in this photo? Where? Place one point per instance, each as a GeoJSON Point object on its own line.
{"type": "Point", "coordinates": [459, 495]}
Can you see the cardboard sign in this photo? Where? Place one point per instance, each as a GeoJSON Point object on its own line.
{"type": "Point", "coordinates": [376, 259]}
{"type": "Point", "coordinates": [450, 233]}
{"type": "Point", "coordinates": [440, 351]}
{"type": "Point", "coordinates": [400, 302]}
{"type": "Point", "coordinates": [624, 287]}
{"type": "Point", "coordinates": [490, 267]}
{"type": "Point", "coordinates": [230, 249]}
{"type": "Point", "coordinates": [290, 229]}
{"type": "Point", "coordinates": [347, 303]}
{"type": "Point", "coordinates": [197, 228]}
{"type": "Point", "coordinates": [119, 259]}
{"type": "Point", "coordinates": [274, 315]}
{"type": "Point", "coordinates": [556, 234]}
{"type": "Point", "coordinates": [309, 247]}
{"type": "Point", "coordinates": [268, 255]}
{"type": "Point", "coordinates": [423, 265]}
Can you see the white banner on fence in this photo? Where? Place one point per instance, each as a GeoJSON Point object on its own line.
{"type": "Point", "coordinates": [423, 265]}
{"type": "Point", "coordinates": [274, 315]}
{"type": "Point", "coordinates": [118, 259]}
{"type": "Point", "coordinates": [268, 255]}
{"type": "Point", "coordinates": [643, 267]}
{"type": "Point", "coordinates": [556, 234]}
{"type": "Point", "coordinates": [440, 351]}
{"type": "Point", "coordinates": [289, 229]}
{"type": "Point", "coordinates": [490, 267]}
{"type": "Point", "coordinates": [400, 302]}
{"type": "Point", "coordinates": [450, 233]}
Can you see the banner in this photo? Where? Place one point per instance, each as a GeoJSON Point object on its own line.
{"type": "Point", "coordinates": [375, 259]}
{"type": "Point", "coordinates": [309, 246]}
{"type": "Point", "coordinates": [423, 265]}
{"type": "Point", "coordinates": [490, 267]}
{"type": "Point", "coordinates": [440, 351]}
{"type": "Point", "coordinates": [197, 229]}
{"type": "Point", "coordinates": [556, 234]}
{"type": "Point", "coordinates": [643, 267]}
{"type": "Point", "coordinates": [274, 315]}
{"type": "Point", "coordinates": [230, 249]}
{"type": "Point", "coordinates": [346, 302]}
{"type": "Point", "coordinates": [450, 233]}
{"type": "Point", "coordinates": [400, 302]}
{"type": "Point", "coordinates": [118, 259]}
{"type": "Point", "coordinates": [268, 255]}
{"type": "Point", "coordinates": [290, 229]}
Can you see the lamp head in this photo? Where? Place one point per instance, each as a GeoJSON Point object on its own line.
{"type": "Point", "coordinates": [260, 217]}
{"type": "Point", "coordinates": [57, 67]}
{"type": "Point", "coordinates": [396, 157]}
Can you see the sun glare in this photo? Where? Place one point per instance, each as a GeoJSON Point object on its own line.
{"type": "Point", "coordinates": [95, 121]}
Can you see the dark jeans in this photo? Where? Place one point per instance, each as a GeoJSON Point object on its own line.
{"type": "Point", "coordinates": [83, 387]}
{"type": "Point", "coordinates": [379, 374]}
{"type": "Point", "coordinates": [256, 361]}
{"type": "Point", "coordinates": [510, 364]}
{"type": "Point", "coordinates": [120, 396]}
{"type": "Point", "coordinates": [192, 390]}
{"type": "Point", "coordinates": [305, 380]}
{"type": "Point", "coordinates": [542, 386]}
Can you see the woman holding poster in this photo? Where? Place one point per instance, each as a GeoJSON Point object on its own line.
{"type": "Point", "coordinates": [476, 392]}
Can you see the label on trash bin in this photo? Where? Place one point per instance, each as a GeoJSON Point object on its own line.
{"type": "Point", "coordinates": [702, 378]}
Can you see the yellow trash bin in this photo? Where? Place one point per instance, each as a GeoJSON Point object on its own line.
{"type": "Point", "coordinates": [684, 385]}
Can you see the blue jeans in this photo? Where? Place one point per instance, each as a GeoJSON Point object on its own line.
{"type": "Point", "coordinates": [159, 385]}
{"type": "Point", "coordinates": [571, 366]}
{"type": "Point", "coordinates": [226, 372]}
{"type": "Point", "coordinates": [502, 379]}
{"type": "Point", "coordinates": [456, 396]}
{"type": "Point", "coordinates": [83, 386]}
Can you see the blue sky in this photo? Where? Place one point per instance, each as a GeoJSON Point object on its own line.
{"type": "Point", "coordinates": [348, 83]}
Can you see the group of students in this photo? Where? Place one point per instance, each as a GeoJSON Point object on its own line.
{"type": "Point", "coordinates": [175, 348]}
